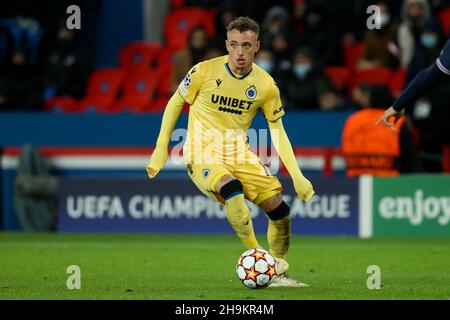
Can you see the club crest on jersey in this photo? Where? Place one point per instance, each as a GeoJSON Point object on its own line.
{"type": "Point", "coordinates": [205, 173]}
{"type": "Point", "coordinates": [251, 92]}
{"type": "Point", "coordinates": [187, 81]}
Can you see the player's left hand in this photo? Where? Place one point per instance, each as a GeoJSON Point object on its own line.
{"type": "Point", "coordinates": [157, 161]}
{"type": "Point", "coordinates": [304, 189]}
{"type": "Point", "coordinates": [389, 113]}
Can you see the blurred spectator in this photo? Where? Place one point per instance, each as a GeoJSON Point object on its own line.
{"type": "Point", "coordinates": [438, 5]}
{"type": "Point", "coordinates": [361, 95]}
{"type": "Point", "coordinates": [330, 99]}
{"type": "Point", "coordinates": [414, 14]}
{"type": "Point", "coordinates": [265, 59]}
{"type": "Point", "coordinates": [20, 85]}
{"type": "Point", "coordinates": [305, 82]}
{"type": "Point", "coordinates": [319, 35]}
{"type": "Point", "coordinates": [258, 9]}
{"type": "Point", "coordinates": [374, 150]}
{"type": "Point", "coordinates": [279, 46]}
{"type": "Point", "coordinates": [380, 49]}
{"type": "Point", "coordinates": [431, 113]}
{"type": "Point", "coordinates": [222, 20]}
{"type": "Point", "coordinates": [276, 22]}
{"type": "Point", "coordinates": [197, 51]}
{"type": "Point", "coordinates": [427, 49]}
{"type": "Point", "coordinates": [67, 66]}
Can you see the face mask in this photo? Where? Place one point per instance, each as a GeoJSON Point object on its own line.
{"type": "Point", "coordinates": [428, 40]}
{"type": "Point", "coordinates": [384, 19]}
{"type": "Point", "coordinates": [266, 65]}
{"type": "Point", "coordinates": [301, 70]}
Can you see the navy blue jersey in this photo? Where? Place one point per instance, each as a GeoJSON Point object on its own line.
{"type": "Point", "coordinates": [443, 62]}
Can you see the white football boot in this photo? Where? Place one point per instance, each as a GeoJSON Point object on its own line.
{"type": "Point", "coordinates": [282, 279]}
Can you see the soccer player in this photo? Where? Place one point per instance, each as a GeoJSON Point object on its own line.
{"type": "Point", "coordinates": [224, 95]}
{"type": "Point", "coordinates": [421, 83]}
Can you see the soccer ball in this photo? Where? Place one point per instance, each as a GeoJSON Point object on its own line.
{"type": "Point", "coordinates": [256, 268]}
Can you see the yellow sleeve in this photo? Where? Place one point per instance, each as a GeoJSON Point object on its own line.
{"type": "Point", "coordinates": [284, 148]}
{"type": "Point", "coordinates": [272, 107]}
{"type": "Point", "coordinates": [160, 154]}
{"type": "Point", "coordinates": [191, 84]}
{"type": "Point", "coordinates": [302, 186]}
{"type": "Point", "coordinates": [169, 120]}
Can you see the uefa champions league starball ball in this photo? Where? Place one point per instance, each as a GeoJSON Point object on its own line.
{"type": "Point", "coordinates": [256, 268]}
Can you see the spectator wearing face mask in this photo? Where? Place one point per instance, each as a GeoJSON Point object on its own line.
{"type": "Point", "coordinates": [197, 51]}
{"type": "Point", "coordinates": [264, 59]}
{"type": "Point", "coordinates": [427, 49]}
{"type": "Point", "coordinates": [414, 14]}
{"type": "Point", "coordinates": [380, 49]}
{"type": "Point", "coordinates": [305, 82]}
{"type": "Point", "coordinates": [431, 112]}
{"type": "Point", "coordinates": [282, 53]}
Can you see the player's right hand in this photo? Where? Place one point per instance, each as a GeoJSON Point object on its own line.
{"type": "Point", "coordinates": [157, 161]}
{"type": "Point", "coordinates": [304, 189]}
{"type": "Point", "coordinates": [389, 113]}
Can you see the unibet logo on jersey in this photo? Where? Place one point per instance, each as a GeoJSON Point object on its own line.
{"type": "Point", "coordinates": [224, 104]}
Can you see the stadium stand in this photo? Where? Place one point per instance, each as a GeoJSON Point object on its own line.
{"type": "Point", "coordinates": [102, 90]}
{"type": "Point", "coordinates": [138, 91]}
{"type": "Point", "coordinates": [139, 55]}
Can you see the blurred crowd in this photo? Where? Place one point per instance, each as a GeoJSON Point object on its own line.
{"type": "Point", "coordinates": [39, 56]}
{"type": "Point", "coordinates": [304, 43]}
{"type": "Point", "coordinates": [301, 40]}
{"type": "Point", "coordinates": [320, 52]}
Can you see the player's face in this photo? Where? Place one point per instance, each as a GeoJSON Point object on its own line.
{"type": "Point", "coordinates": [241, 47]}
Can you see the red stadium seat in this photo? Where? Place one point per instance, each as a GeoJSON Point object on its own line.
{"type": "Point", "coordinates": [103, 87]}
{"type": "Point", "coordinates": [352, 54]}
{"type": "Point", "coordinates": [371, 76]}
{"type": "Point", "coordinates": [166, 56]}
{"type": "Point", "coordinates": [340, 76]}
{"type": "Point", "coordinates": [165, 66]}
{"type": "Point", "coordinates": [397, 81]}
{"type": "Point", "coordinates": [138, 55]}
{"type": "Point", "coordinates": [138, 91]}
{"type": "Point", "coordinates": [62, 104]}
{"type": "Point", "coordinates": [444, 17]}
{"type": "Point", "coordinates": [165, 75]}
{"type": "Point", "coordinates": [178, 24]}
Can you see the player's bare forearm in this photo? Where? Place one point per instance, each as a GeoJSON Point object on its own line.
{"type": "Point", "coordinates": [303, 186]}
{"type": "Point", "coordinates": [169, 120]}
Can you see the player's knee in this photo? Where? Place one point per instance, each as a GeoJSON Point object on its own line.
{"type": "Point", "coordinates": [280, 212]}
{"type": "Point", "coordinates": [231, 189]}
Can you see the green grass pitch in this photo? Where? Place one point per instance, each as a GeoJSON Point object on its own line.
{"type": "Point", "coordinates": [33, 266]}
